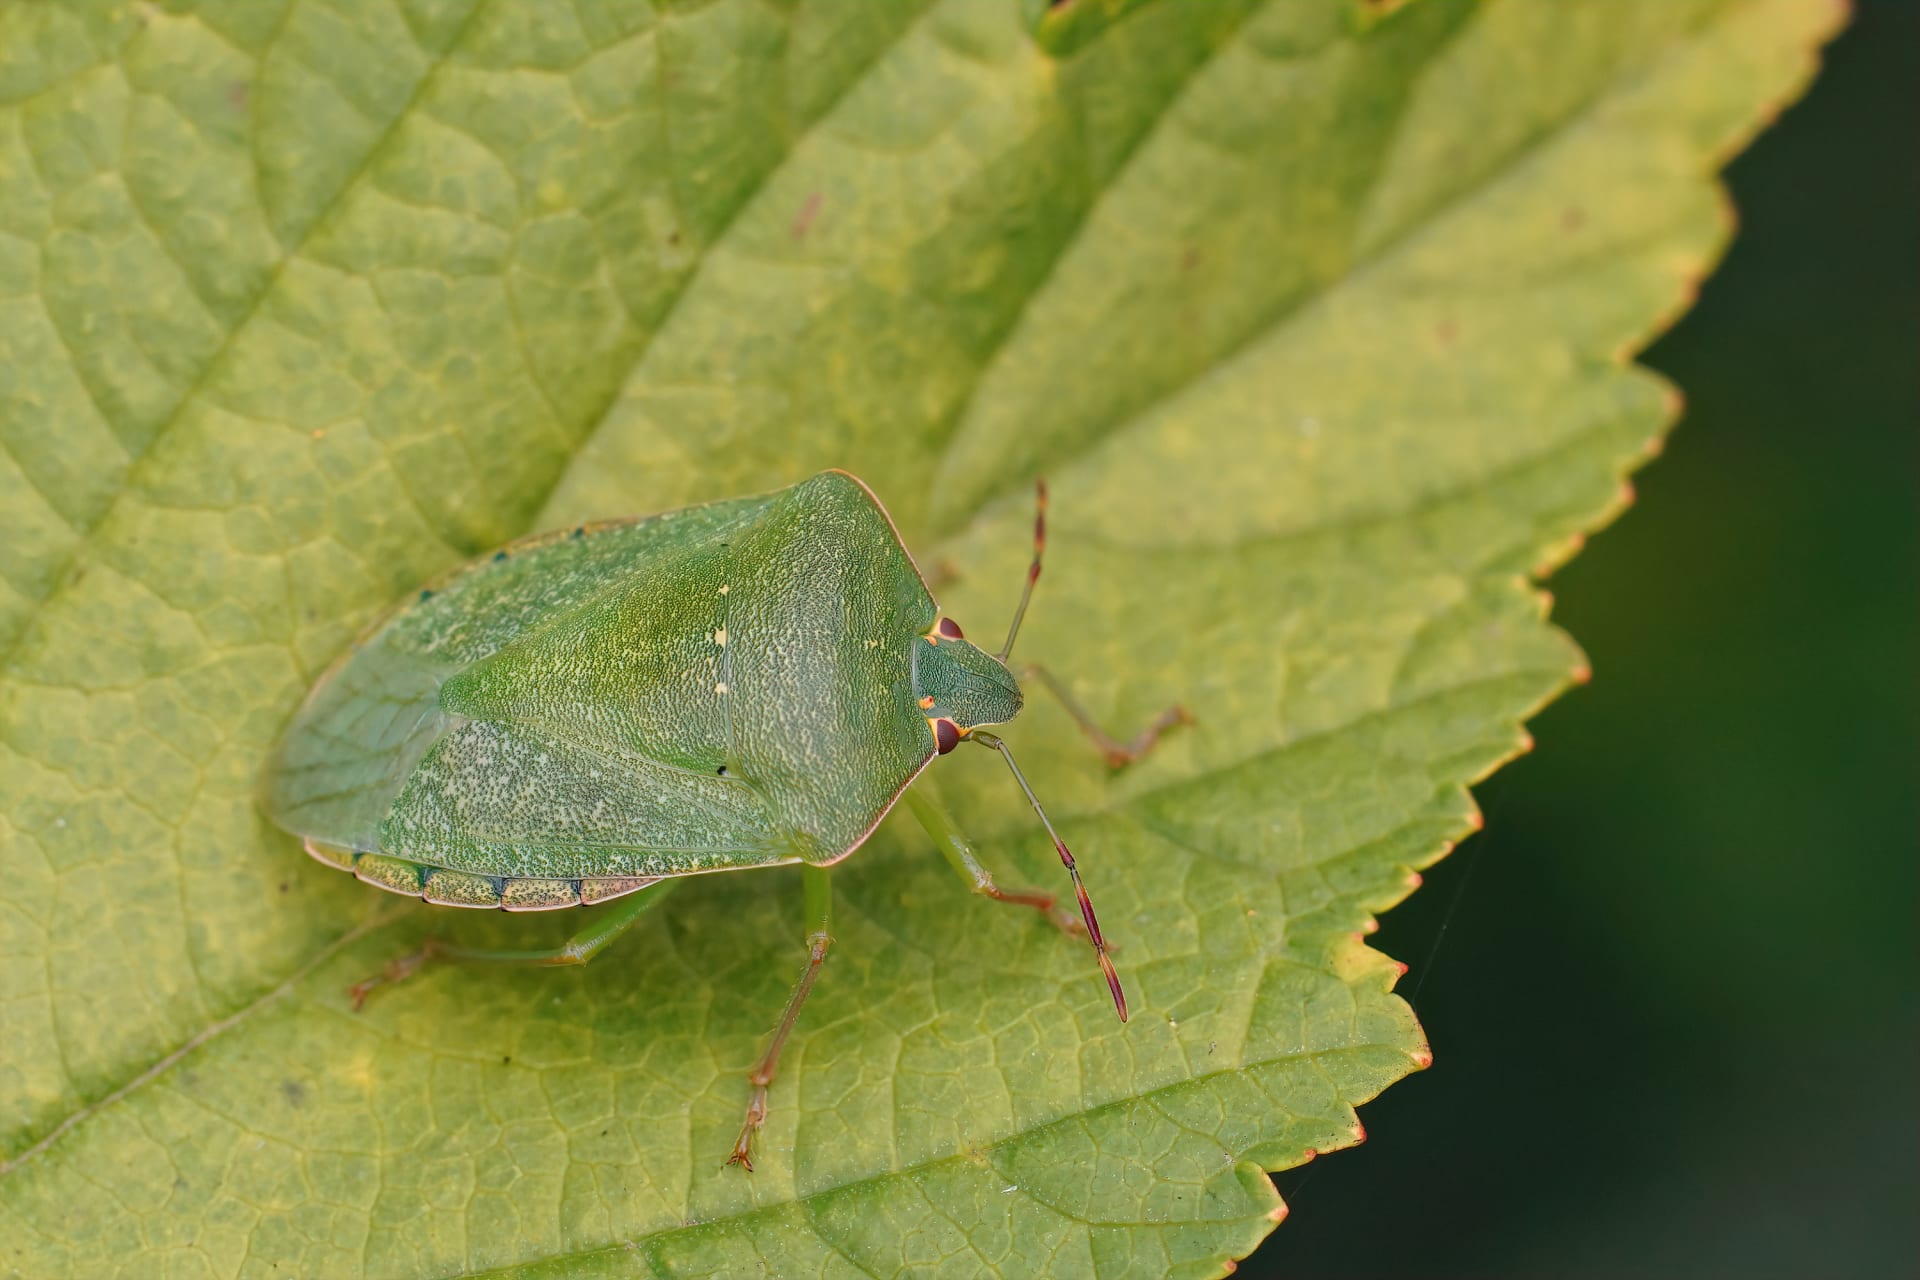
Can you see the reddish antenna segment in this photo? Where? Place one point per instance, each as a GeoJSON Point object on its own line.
{"type": "Point", "coordinates": [1033, 570]}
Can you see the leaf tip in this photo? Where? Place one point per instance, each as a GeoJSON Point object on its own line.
{"type": "Point", "coordinates": [1422, 1058]}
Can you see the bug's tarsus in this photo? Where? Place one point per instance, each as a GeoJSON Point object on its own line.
{"type": "Point", "coordinates": [1118, 754]}
{"type": "Point", "coordinates": [1047, 904]}
{"type": "Point", "coordinates": [769, 1065]}
{"type": "Point", "coordinates": [397, 970]}
{"type": "Point", "coordinates": [819, 938]}
{"type": "Point", "coordinates": [1033, 570]}
{"type": "Point", "coordinates": [1087, 916]}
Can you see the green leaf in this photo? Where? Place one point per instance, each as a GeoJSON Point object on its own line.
{"type": "Point", "coordinates": [1316, 315]}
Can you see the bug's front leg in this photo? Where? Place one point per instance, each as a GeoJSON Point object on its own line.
{"type": "Point", "coordinates": [819, 938]}
{"type": "Point", "coordinates": [1118, 754]}
{"type": "Point", "coordinates": [958, 851]}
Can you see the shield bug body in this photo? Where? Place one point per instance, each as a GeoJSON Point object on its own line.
{"type": "Point", "coordinates": [598, 712]}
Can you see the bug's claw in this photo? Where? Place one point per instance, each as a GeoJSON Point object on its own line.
{"type": "Point", "coordinates": [1067, 922]}
{"type": "Point", "coordinates": [1119, 757]}
{"type": "Point", "coordinates": [756, 1116]}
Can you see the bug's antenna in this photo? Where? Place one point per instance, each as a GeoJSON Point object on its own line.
{"type": "Point", "coordinates": [1066, 857]}
{"type": "Point", "coordinates": [1033, 571]}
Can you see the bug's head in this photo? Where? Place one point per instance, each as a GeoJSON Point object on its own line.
{"type": "Point", "coordinates": [960, 685]}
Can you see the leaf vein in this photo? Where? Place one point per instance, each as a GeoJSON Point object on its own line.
{"type": "Point", "coordinates": [216, 358]}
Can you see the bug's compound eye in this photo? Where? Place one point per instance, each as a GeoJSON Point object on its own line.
{"type": "Point", "coordinates": [946, 734]}
{"type": "Point", "coordinates": [948, 629]}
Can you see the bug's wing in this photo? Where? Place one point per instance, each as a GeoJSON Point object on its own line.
{"type": "Point", "coordinates": [515, 799]}
{"type": "Point", "coordinates": [353, 745]}
{"type": "Point", "coordinates": [372, 719]}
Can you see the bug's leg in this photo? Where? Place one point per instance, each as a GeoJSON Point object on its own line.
{"type": "Point", "coordinates": [819, 938]}
{"type": "Point", "coordinates": [954, 846]}
{"type": "Point", "coordinates": [580, 948]}
{"type": "Point", "coordinates": [1118, 753]}
{"type": "Point", "coordinates": [941, 574]}
{"type": "Point", "coordinates": [1094, 935]}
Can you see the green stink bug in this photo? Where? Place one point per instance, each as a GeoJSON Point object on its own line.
{"type": "Point", "coordinates": [598, 712]}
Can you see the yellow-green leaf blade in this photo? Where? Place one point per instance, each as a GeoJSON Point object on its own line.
{"type": "Point", "coordinates": [1315, 319]}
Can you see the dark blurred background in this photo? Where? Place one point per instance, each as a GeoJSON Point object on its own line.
{"type": "Point", "coordinates": [1675, 1005]}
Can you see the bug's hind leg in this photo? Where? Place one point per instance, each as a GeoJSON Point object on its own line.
{"type": "Point", "coordinates": [1119, 754]}
{"type": "Point", "coordinates": [579, 949]}
{"type": "Point", "coordinates": [958, 851]}
{"type": "Point", "coordinates": [819, 938]}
